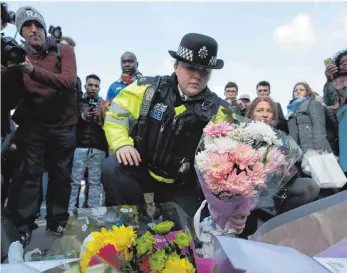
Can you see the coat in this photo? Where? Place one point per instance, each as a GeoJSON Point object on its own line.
{"type": "Point", "coordinates": [307, 126]}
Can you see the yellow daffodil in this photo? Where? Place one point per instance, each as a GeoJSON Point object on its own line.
{"type": "Point", "coordinates": [177, 265]}
{"type": "Point", "coordinates": [163, 227]}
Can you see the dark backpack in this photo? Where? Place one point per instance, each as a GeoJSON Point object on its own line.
{"type": "Point", "coordinates": [78, 86]}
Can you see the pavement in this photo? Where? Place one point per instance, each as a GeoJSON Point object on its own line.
{"type": "Point", "coordinates": [48, 243]}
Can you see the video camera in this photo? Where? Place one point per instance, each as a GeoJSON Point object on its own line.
{"type": "Point", "coordinates": [7, 16]}
{"type": "Point", "coordinates": [56, 32]}
{"type": "Point", "coordinates": [10, 50]}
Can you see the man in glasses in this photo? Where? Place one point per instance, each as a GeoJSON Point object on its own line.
{"type": "Point", "coordinates": [154, 127]}
{"type": "Point", "coordinates": [91, 146]}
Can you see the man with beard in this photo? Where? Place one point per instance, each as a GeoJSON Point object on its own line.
{"type": "Point", "coordinates": [130, 74]}
{"type": "Point", "coordinates": [47, 120]}
{"type": "Point", "coordinates": [335, 96]}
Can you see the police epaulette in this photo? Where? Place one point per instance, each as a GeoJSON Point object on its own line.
{"type": "Point", "coordinates": [147, 80]}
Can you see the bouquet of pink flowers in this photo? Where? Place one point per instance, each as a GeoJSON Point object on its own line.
{"type": "Point", "coordinates": [236, 161]}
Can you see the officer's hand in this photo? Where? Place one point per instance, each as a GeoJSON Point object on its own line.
{"type": "Point", "coordinates": [128, 155]}
{"type": "Point", "coordinates": [237, 222]}
{"type": "Point", "coordinates": [331, 70]}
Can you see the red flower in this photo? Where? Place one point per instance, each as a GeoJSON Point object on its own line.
{"type": "Point", "coordinates": [144, 265]}
{"type": "Point", "coordinates": [109, 255]}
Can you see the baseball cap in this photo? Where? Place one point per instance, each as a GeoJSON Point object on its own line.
{"type": "Point", "coordinates": [245, 97]}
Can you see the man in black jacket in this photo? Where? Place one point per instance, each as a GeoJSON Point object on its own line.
{"type": "Point", "coordinates": [263, 90]}
{"type": "Point", "coordinates": [91, 145]}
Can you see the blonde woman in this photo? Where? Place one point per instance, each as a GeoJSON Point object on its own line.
{"type": "Point", "coordinates": [306, 119]}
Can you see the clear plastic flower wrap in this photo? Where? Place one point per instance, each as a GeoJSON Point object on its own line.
{"type": "Point", "coordinates": [236, 161]}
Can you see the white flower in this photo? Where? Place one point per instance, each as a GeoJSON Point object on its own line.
{"type": "Point", "coordinates": [209, 140]}
{"type": "Point", "coordinates": [242, 136]}
{"type": "Point", "coordinates": [224, 144]}
{"type": "Point", "coordinates": [262, 151]}
{"type": "Point", "coordinates": [263, 132]}
{"type": "Point", "coordinates": [201, 158]}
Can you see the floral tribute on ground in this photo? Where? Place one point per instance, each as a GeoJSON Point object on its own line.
{"type": "Point", "coordinates": [235, 162]}
{"type": "Point", "coordinates": [122, 250]}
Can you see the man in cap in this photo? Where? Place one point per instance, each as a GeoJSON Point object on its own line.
{"type": "Point", "coordinates": [47, 120]}
{"type": "Point", "coordinates": [130, 73]}
{"type": "Point", "coordinates": [246, 99]}
{"type": "Point", "coordinates": [154, 126]}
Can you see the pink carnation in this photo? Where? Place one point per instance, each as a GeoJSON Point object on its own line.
{"type": "Point", "coordinates": [276, 156]}
{"type": "Point", "coordinates": [218, 165]}
{"type": "Point", "coordinates": [239, 184]}
{"type": "Point", "coordinates": [258, 174]}
{"type": "Point", "coordinates": [215, 186]}
{"type": "Point", "coordinates": [222, 128]}
{"type": "Point", "coordinates": [244, 155]}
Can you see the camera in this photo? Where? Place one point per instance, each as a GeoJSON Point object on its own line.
{"type": "Point", "coordinates": [92, 102]}
{"type": "Point", "coordinates": [11, 51]}
{"type": "Point", "coordinates": [7, 16]}
{"type": "Point", "coordinates": [56, 32]}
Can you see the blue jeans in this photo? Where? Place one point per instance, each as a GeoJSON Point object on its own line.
{"type": "Point", "coordinates": [91, 159]}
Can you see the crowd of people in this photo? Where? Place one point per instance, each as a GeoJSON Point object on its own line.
{"type": "Point", "coordinates": [143, 136]}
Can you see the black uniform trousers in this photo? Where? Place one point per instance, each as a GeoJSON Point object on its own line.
{"type": "Point", "coordinates": [42, 147]}
{"type": "Point", "coordinates": [126, 185]}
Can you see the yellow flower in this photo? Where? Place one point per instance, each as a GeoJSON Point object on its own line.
{"type": "Point", "coordinates": [145, 243]}
{"type": "Point", "coordinates": [163, 227]}
{"type": "Point", "coordinates": [182, 239]}
{"type": "Point", "coordinates": [123, 237]}
{"type": "Point", "coordinates": [177, 265]}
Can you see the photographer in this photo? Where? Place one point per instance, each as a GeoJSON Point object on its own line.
{"type": "Point", "coordinates": [11, 82]}
{"type": "Point", "coordinates": [91, 145]}
{"type": "Point", "coordinates": [47, 120]}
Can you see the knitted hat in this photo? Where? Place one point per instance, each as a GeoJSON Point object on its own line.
{"type": "Point", "coordinates": [25, 14]}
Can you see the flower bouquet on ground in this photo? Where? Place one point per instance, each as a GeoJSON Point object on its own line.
{"type": "Point", "coordinates": [122, 250]}
{"type": "Point", "coordinates": [133, 239]}
{"type": "Point", "coordinates": [236, 161]}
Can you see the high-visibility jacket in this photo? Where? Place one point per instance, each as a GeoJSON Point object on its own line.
{"type": "Point", "coordinates": [173, 126]}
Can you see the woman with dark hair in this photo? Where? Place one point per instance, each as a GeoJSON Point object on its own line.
{"type": "Point", "coordinates": [335, 97]}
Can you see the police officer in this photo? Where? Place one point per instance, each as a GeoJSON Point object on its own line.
{"type": "Point", "coordinates": [154, 126]}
